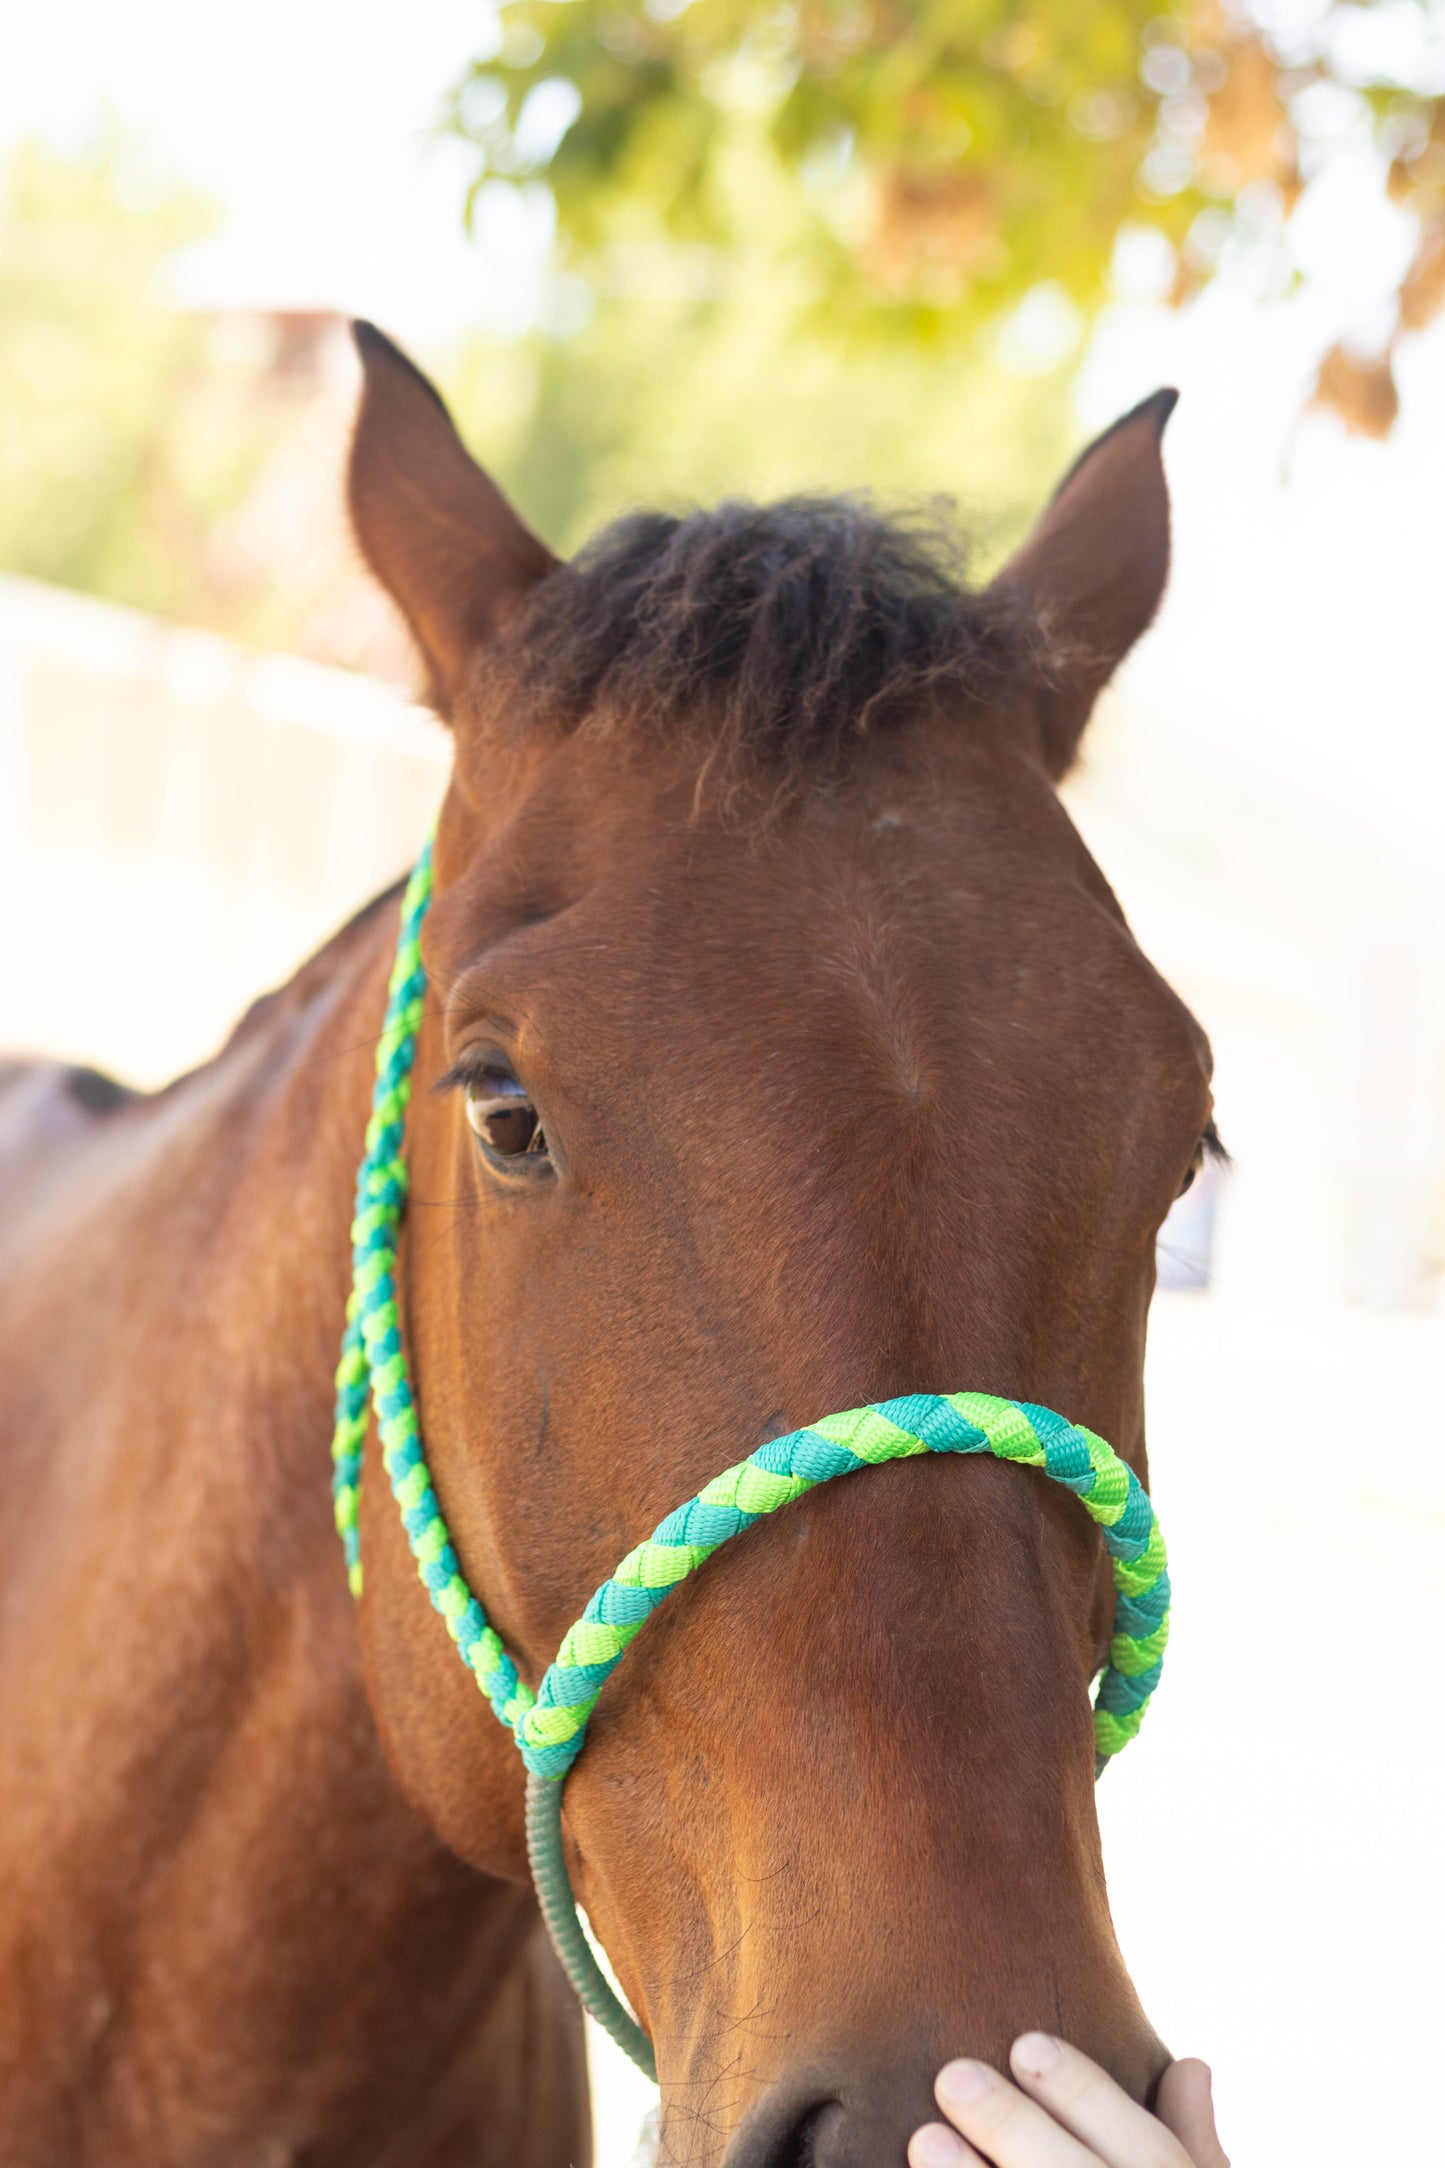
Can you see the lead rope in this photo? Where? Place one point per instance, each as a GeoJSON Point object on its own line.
{"type": "Point", "coordinates": [550, 1725]}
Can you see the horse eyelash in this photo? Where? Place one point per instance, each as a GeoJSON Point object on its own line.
{"type": "Point", "coordinates": [471, 1069]}
{"type": "Point", "coordinates": [1215, 1147]}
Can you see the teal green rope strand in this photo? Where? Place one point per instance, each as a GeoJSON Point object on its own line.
{"type": "Point", "coordinates": [371, 1349]}
{"type": "Point", "coordinates": [785, 1468]}
{"type": "Point", "coordinates": [548, 1862]}
{"type": "Point", "coordinates": [550, 1726]}
{"type": "Point", "coordinates": [551, 1735]}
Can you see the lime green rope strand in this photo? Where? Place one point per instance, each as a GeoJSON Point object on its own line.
{"type": "Point", "coordinates": [785, 1468]}
{"type": "Point", "coordinates": [372, 1356]}
{"type": "Point", "coordinates": [550, 1725]}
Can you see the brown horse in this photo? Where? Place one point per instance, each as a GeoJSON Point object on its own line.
{"type": "Point", "coordinates": [784, 1050]}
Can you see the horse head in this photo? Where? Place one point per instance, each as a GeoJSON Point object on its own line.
{"type": "Point", "coordinates": [784, 1050]}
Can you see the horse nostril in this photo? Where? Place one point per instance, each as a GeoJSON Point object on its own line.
{"type": "Point", "coordinates": [801, 2146]}
{"type": "Point", "coordinates": [863, 2119]}
{"type": "Point", "coordinates": [798, 2140]}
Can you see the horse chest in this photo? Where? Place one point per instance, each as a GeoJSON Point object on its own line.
{"type": "Point", "coordinates": [258, 1956]}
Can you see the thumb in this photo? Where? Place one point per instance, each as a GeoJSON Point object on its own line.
{"type": "Point", "coordinates": [1186, 2106]}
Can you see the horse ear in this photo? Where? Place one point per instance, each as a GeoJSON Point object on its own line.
{"type": "Point", "coordinates": [1094, 568]}
{"type": "Point", "coordinates": [436, 530]}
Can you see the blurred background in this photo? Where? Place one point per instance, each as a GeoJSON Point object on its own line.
{"type": "Point", "coordinates": [687, 247]}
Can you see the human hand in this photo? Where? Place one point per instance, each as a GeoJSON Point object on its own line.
{"type": "Point", "coordinates": [1064, 2112]}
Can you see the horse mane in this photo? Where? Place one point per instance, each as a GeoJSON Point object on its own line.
{"type": "Point", "coordinates": [781, 633]}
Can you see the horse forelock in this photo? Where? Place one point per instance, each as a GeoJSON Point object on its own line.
{"type": "Point", "coordinates": [774, 637]}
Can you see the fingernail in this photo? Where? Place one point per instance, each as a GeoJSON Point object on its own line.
{"type": "Point", "coordinates": [961, 2084]}
{"type": "Point", "coordinates": [934, 2147]}
{"type": "Point", "coordinates": [1037, 2053]}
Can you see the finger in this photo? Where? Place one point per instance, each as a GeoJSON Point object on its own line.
{"type": "Point", "coordinates": [1186, 2106]}
{"type": "Point", "coordinates": [1003, 2123]}
{"type": "Point", "coordinates": [934, 2146]}
{"type": "Point", "coordinates": [1087, 2101]}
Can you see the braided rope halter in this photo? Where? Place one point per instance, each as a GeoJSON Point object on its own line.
{"type": "Point", "coordinates": [550, 1725]}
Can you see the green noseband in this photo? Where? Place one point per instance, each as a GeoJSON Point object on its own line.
{"type": "Point", "coordinates": [550, 1725]}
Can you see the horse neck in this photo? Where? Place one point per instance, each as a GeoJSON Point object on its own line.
{"type": "Point", "coordinates": [184, 1270]}
{"type": "Point", "coordinates": [244, 1198]}
{"type": "Point", "coordinates": [196, 1823]}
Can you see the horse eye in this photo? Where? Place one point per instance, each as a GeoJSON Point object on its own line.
{"type": "Point", "coordinates": [1194, 1166]}
{"type": "Point", "coordinates": [504, 1118]}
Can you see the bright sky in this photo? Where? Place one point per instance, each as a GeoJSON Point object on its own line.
{"type": "Point", "coordinates": [312, 123]}
{"type": "Point", "coordinates": [1303, 616]}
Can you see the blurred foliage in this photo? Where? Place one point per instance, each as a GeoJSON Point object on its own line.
{"type": "Point", "coordinates": [720, 401]}
{"type": "Point", "coordinates": [88, 358]}
{"type": "Point", "coordinates": [699, 375]}
{"type": "Point", "coordinates": [190, 462]}
{"type": "Point", "coordinates": [947, 157]}
{"type": "Point", "coordinates": [180, 461]}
